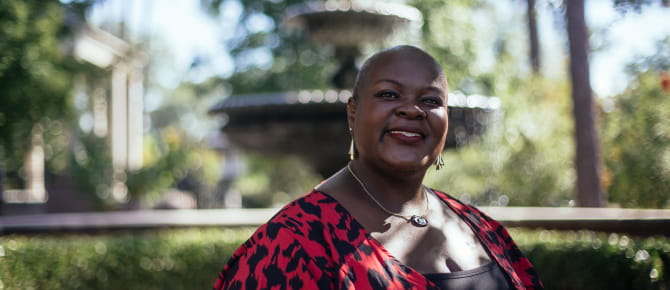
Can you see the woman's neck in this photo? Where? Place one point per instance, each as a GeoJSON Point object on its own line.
{"type": "Point", "coordinates": [393, 188]}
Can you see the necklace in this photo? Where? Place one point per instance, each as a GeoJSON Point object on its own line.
{"type": "Point", "coordinates": [416, 220]}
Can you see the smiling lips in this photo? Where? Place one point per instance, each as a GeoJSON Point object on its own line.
{"type": "Point", "coordinates": [406, 136]}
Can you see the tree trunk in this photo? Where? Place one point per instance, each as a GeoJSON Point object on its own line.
{"type": "Point", "coordinates": [589, 193]}
{"type": "Point", "coordinates": [534, 42]}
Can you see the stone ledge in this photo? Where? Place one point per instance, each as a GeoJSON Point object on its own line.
{"type": "Point", "coordinates": [631, 221]}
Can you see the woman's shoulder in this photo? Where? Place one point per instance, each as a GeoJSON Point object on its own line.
{"type": "Point", "coordinates": [315, 206]}
{"type": "Point", "coordinates": [291, 244]}
{"type": "Point", "coordinates": [461, 208]}
{"type": "Point", "coordinates": [315, 223]}
{"type": "Point", "coordinates": [295, 223]}
{"type": "Point", "coordinates": [311, 215]}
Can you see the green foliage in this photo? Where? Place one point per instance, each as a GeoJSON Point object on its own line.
{"type": "Point", "coordinates": [636, 138]}
{"type": "Point", "coordinates": [191, 259]}
{"type": "Point", "coordinates": [295, 63]}
{"type": "Point", "coordinates": [175, 259]}
{"type": "Point", "coordinates": [173, 159]}
{"type": "Point", "coordinates": [274, 181]}
{"type": "Point", "coordinates": [166, 165]}
{"type": "Point", "coordinates": [448, 35]}
{"type": "Point", "coordinates": [523, 159]}
{"type": "Point", "coordinates": [535, 144]}
{"type": "Point", "coordinates": [590, 260]}
{"type": "Point", "coordinates": [34, 78]}
{"type": "Point", "coordinates": [176, 153]}
{"type": "Point", "coordinates": [90, 167]}
{"type": "Point", "coordinates": [36, 83]}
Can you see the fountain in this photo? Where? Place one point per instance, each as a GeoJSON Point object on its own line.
{"type": "Point", "coordinates": [347, 25]}
{"type": "Point", "coordinates": [312, 124]}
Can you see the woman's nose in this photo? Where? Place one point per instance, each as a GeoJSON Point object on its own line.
{"type": "Point", "coordinates": [410, 111]}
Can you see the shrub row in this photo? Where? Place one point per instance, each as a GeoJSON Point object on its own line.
{"type": "Point", "coordinates": [166, 259]}
{"type": "Point", "coordinates": [590, 260]}
{"type": "Point", "coordinates": [191, 258]}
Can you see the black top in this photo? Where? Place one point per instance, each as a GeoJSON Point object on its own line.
{"type": "Point", "coordinates": [489, 276]}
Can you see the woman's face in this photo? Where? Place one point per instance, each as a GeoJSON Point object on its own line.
{"type": "Point", "coordinates": [399, 118]}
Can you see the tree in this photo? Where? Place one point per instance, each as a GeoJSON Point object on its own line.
{"type": "Point", "coordinates": [587, 163]}
{"type": "Point", "coordinates": [35, 76]}
{"type": "Point", "coordinates": [533, 39]}
{"type": "Point", "coordinates": [587, 154]}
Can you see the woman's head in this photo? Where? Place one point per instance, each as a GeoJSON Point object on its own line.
{"type": "Point", "coordinates": [396, 52]}
{"type": "Point", "coordinates": [398, 113]}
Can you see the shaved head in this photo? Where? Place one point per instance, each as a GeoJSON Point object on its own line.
{"type": "Point", "coordinates": [401, 52]}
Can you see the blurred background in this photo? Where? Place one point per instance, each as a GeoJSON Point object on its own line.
{"type": "Point", "coordinates": [141, 104]}
{"type": "Point", "coordinates": [110, 105]}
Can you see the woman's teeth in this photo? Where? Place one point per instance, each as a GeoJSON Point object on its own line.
{"type": "Point", "coordinates": [408, 134]}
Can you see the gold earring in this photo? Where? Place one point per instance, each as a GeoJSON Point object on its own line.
{"type": "Point", "coordinates": [352, 148]}
{"type": "Point", "coordinates": [439, 162]}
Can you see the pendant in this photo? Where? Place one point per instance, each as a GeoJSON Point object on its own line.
{"type": "Point", "coordinates": [418, 221]}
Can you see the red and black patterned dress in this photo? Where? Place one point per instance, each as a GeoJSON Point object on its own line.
{"type": "Point", "coordinates": [314, 243]}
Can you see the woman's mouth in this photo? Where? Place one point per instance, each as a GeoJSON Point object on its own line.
{"type": "Point", "coordinates": [405, 133]}
{"type": "Point", "coordinates": [405, 136]}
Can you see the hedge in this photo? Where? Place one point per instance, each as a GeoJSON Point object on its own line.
{"type": "Point", "coordinates": [191, 258]}
{"type": "Point", "coordinates": [590, 260]}
{"type": "Point", "coordinates": [166, 259]}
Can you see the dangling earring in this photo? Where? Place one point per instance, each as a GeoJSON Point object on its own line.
{"type": "Point", "coordinates": [352, 148]}
{"type": "Point", "coordinates": [439, 162]}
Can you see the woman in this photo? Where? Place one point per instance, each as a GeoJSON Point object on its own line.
{"type": "Point", "coordinates": [373, 224]}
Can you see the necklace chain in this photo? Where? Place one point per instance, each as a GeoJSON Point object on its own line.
{"type": "Point", "coordinates": [417, 220]}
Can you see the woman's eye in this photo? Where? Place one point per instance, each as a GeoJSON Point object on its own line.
{"type": "Point", "coordinates": [433, 101]}
{"type": "Point", "coordinates": [387, 95]}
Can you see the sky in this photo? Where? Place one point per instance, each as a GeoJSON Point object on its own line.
{"type": "Point", "coordinates": [188, 32]}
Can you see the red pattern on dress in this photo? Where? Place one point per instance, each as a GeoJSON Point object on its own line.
{"type": "Point", "coordinates": [314, 243]}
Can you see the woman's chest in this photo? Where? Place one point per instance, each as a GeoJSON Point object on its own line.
{"type": "Point", "coordinates": [446, 245]}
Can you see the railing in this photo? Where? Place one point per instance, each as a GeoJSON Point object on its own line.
{"type": "Point", "coordinates": [643, 222]}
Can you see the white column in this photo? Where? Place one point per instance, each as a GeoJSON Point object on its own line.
{"type": "Point", "coordinates": [119, 126]}
{"type": "Point", "coordinates": [135, 119]}
{"type": "Point", "coordinates": [35, 168]}
{"type": "Point", "coordinates": [100, 113]}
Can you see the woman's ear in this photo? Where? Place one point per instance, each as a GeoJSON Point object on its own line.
{"type": "Point", "coordinates": [351, 111]}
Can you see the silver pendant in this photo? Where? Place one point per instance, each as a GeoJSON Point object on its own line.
{"type": "Point", "coordinates": [418, 221]}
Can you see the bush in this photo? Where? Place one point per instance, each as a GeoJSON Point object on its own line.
{"type": "Point", "coordinates": [191, 259]}
{"type": "Point", "coordinates": [168, 259]}
{"type": "Point", "coordinates": [590, 260]}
